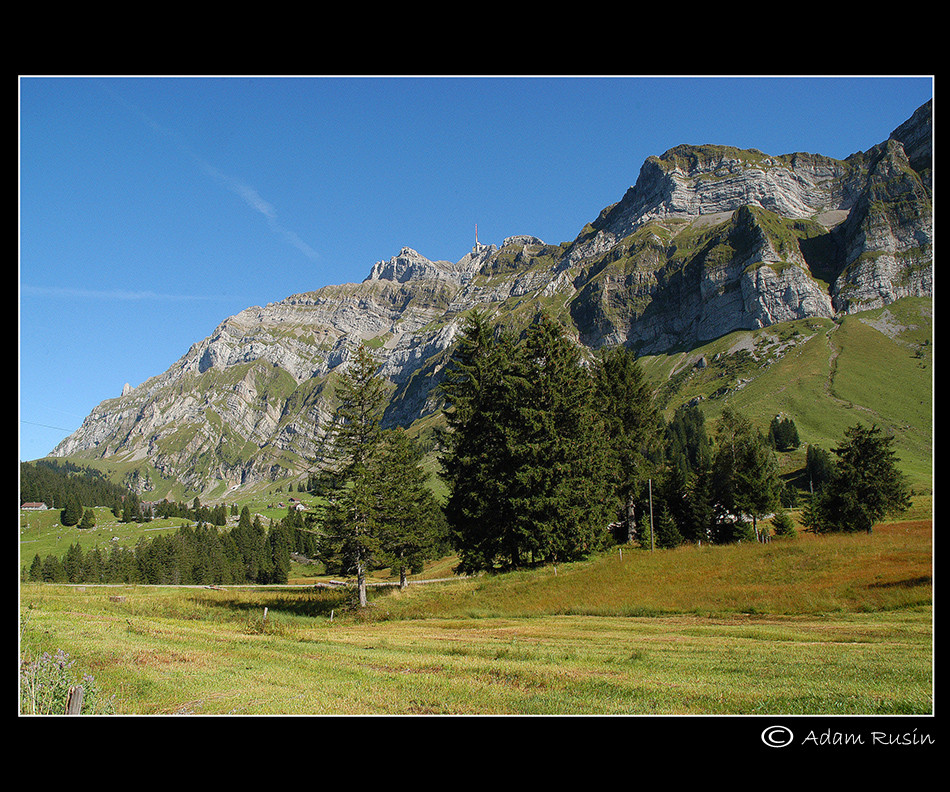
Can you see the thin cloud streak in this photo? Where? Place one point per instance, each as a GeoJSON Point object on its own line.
{"type": "Point", "coordinates": [114, 295]}
{"type": "Point", "coordinates": [246, 193]}
{"type": "Point", "coordinates": [253, 199]}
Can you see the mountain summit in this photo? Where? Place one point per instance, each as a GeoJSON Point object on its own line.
{"type": "Point", "coordinates": [709, 240]}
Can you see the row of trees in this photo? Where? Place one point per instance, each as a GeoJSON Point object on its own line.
{"type": "Point", "coordinates": [542, 453]}
{"type": "Point", "coordinates": [539, 451]}
{"type": "Point", "coordinates": [192, 555]}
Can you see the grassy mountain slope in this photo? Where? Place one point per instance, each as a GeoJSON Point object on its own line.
{"type": "Point", "coordinates": [871, 367]}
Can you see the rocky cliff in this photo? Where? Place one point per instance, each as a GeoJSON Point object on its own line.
{"type": "Point", "coordinates": [709, 239]}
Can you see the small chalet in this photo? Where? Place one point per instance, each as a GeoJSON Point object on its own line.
{"type": "Point", "coordinates": [34, 506]}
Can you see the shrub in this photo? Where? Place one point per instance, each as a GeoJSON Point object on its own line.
{"type": "Point", "coordinates": [45, 683]}
{"type": "Point", "coordinates": [784, 527]}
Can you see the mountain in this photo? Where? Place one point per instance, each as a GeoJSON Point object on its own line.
{"type": "Point", "coordinates": [709, 240]}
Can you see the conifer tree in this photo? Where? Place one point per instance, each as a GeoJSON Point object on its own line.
{"type": "Point", "coordinates": [409, 518]}
{"type": "Point", "coordinates": [783, 525]}
{"type": "Point", "coordinates": [667, 532]}
{"type": "Point", "coordinates": [525, 462]}
{"type": "Point", "coordinates": [132, 509]}
{"type": "Point", "coordinates": [563, 503]}
{"type": "Point", "coordinates": [354, 442]}
{"type": "Point", "coordinates": [626, 406]}
{"type": "Point", "coordinates": [698, 524]}
{"type": "Point", "coordinates": [819, 467]}
{"type": "Point", "coordinates": [783, 434]}
{"type": "Point", "coordinates": [864, 487]}
{"type": "Point", "coordinates": [279, 544]}
{"type": "Point", "coordinates": [477, 462]}
{"type": "Point", "coordinates": [72, 512]}
{"type": "Point", "coordinates": [669, 494]}
{"type": "Point", "coordinates": [73, 564]}
{"type": "Point", "coordinates": [53, 571]}
{"type": "Point", "coordinates": [93, 565]}
{"type": "Point", "coordinates": [745, 474]}
{"type": "Point", "coordinates": [687, 444]}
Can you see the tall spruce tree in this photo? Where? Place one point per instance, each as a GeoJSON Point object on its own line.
{"type": "Point", "coordinates": [686, 482]}
{"type": "Point", "coordinates": [865, 484]}
{"type": "Point", "coordinates": [355, 439]}
{"type": "Point", "coordinates": [72, 513]}
{"type": "Point", "coordinates": [563, 502]}
{"type": "Point", "coordinates": [409, 517]}
{"type": "Point", "coordinates": [819, 467]}
{"type": "Point", "coordinates": [525, 459]}
{"type": "Point", "coordinates": [279, 543]}
{"type": "Point", "coordinates": [625, 404]}
{"type": "Point", "coordinates": [687, 444]}
{"type": "Point", "coordinates": [480, 389]}
{"type": "Point", "coordinates": [783, 434]}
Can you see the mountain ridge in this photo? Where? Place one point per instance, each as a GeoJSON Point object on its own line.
{"type": "Point", "coordinates": [710, 239]}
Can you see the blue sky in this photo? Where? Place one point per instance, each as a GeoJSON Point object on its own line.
{"type": "Point", "coordinates": [151, 209]}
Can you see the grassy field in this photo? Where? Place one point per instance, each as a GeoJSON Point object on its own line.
{"type": "Point", "coordinates": [830, 625]}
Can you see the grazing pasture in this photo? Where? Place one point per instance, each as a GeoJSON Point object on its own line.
{"type": "Point", "coordinates": [812, 625]}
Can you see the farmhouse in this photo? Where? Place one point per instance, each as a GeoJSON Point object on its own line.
{"type": "Point", "coordinates": [34, 507]}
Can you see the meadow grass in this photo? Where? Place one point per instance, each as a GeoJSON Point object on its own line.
{"type": "Point", "coordinates": [813, 625]}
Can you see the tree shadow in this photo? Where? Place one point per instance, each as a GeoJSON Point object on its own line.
{"type": "Point", "coordinates": [307, 603]}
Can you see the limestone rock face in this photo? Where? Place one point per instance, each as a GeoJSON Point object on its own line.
{"type": "Point", "coordinates": [710, 239]}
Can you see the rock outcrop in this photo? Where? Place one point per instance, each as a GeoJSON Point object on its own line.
{"type": "Point", "coordinates": [709, 239]}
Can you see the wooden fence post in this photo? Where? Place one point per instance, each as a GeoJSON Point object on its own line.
{"type": "Point", "coordinates": [74, 701]}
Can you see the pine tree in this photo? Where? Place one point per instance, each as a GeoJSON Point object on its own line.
{"type": "Point", "coordinates": [745, 474]}
{"type": "Point", "coordinates": [699, 522]}
{"type": "Point", "coordinates": [562, 498]}
{"type": "Point", "coordinates": [279, 544]}
{"type": "Point", "coordinates": [525, 461]}
{"type": "Point", "coordinates": [73, 563]}
{"type": "Point", "coordinates": [687, 444]}
{"type": "Point", "coordinates": [72, 513]}
{"type": "Point", "coordinates": [353, 444]}
{"type": "Point", "coordinates": [36, 569]}
{"type": "Point", "coordinates": [783, 525]}
{"type": "Point", "coordinates": [627, 409]}
{"type": "Point", "coordinates": [53, 571]}
{"type": "Point", "coordinates": [410, 519]}
{"type": "Point", "coordinates": [132, 509]}
{"type": "Point", "coordinates": [783, 434]}
{"type": "Point", "coordinates": [819, 467]}
{"type": "Point", "coordinates": [670, 496]}
{"type": "Point", "coordinates": [864, 487]}
{"type": "Point", "coordinates": [667, 534]}
{"type": "Point", "coordinates": [477, 461]}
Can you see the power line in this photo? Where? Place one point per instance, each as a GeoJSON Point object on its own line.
{"type": "Point", "coordinates": [47, 426]}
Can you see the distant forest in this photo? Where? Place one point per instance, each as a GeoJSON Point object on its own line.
{"type": "Point", "coordinates": [199, 555]}
{"type": "Point", "coordinates": [56, 483]}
